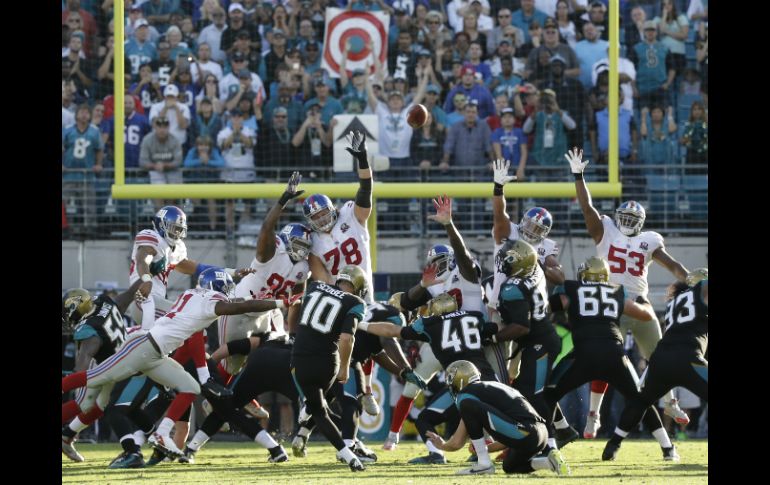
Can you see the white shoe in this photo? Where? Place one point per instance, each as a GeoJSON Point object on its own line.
{"type": "Point", "coordinates": [478, 469]}
{"type": "Point", "coordinates": [390, 445]}
{"type": "Point", "coordinates": [672, 409]}
{"type": "Point", "coordinates": [165, 444]}
{"type": "Point", "coordinates": [69, 450]}
{"type": "Point", "coordinates": [257, 412]}
{"type": "Point", "coordinates": [370, 405]}
{"type": "Point", "coordinates": [593, 424]}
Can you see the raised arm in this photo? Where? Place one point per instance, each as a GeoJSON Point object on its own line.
{"type": "Point", "coordinates": [675, 267]}
{"type": "Point", "coordinates": [266, 241]}
{"type": "Point", "coordinates": [462, 256]}
{"type": "Point", "coordinates": [501, 220]}
{"type": "Point", "coordinates": [370, 95]}
{"type": "Point", "coordinates": [318, 271]}
{"type": "Point", "coordinates": [363, 201]}
{"type": "Point", "coordinates": [590, 214]}
{"type": "Point", "coordinates": [248, 306]}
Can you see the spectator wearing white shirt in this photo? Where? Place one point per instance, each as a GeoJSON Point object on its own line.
{"type": "Point", "coordinates": [236, 142]}
{"type": "Point", "coordinates": [204, 64]}
{"type": "Point", "coordinates": [212, 35]}
{"type": "Point", "coordinates": [456, 10]}
{"type": "Point", "coordinates": [178, 114]}
{"type": "Point", "coordinates": [231, 82]}
{"type": "Point", "coordinates": [626, 75]}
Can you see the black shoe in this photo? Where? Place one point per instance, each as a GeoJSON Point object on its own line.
{"type": "Point", "coordinates": [364, 454]}
{"type": "Point", "coordinates": [611, 450]}
{"type": "Point", "coordinates": [157, 457]}
{"type": "Point", "coordinates": [188, 457]}
{"type": "Point", "coordinates": [431, 458]}
{"type": "Point", "coordinates": [277, 454]}
{"type": "Point", "coordinates": [356, 465]}
{"type": "Point", "coordinates": [565, 436]}
{"type": "Point", "coordinates": [214, 390]}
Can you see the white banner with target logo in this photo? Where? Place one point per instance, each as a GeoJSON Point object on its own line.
{"type": "Point", "coordinates": [367, 33]}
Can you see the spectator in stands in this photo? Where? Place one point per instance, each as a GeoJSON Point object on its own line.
{"type": "Point", "coordinates": [673, 28]}
{"type": "Point", "coordinates": [635, 33]}
{"type": "Point", "coordinates": [178, 48]}
{"type": "Point", "coordinates": [330, 106]}
{"type": "Point", "coordinates": [508, 78]}
{"type": "Point", "coordinates": [313, 139]}
{"type": "Point", "coordinates": [186, 88]}
{"type": "Point", "coordinates": [461, 45]}
{"type": "Point", "coordinates": [627, 135]}
{"type": "Point", "coordinates": [164, 64]}
{"type": "Point", "coordinates": [306, 35]}
{"type": "Point", "coordinates": [702, 56]}
{"type": "Point", "coordinates": [535, 40]}
{"type": "Point", "coordinates": [459, 100]}
{"type": "Point", "coordinates": [597, 15]}
{"type": "Point", "coordinates": [158, 12]}
{"type": "Point", "coordinates": [550, 125]}
{"type": "Point", "coordinates": [426, 146]}
{"type": "Point", "coordinates": [468, 143]}
{"type": "Point", "coordinates": [210, 90]}
{"type": "Point", "coordinates": [82, 154]}
{"type": "Point", "coordinates": [424, 64]}
{"type": "Point", "coordinates": [243, 92]}
{"type": "Point", "coordinates": [75, 65]}
{"type": "Point", "coordinates": [139, 49]}
{"type": "Point", "coordinates": [502, 101]}
{"type": "Point", "coordinates": [134, 17]}
{"type": "Point", "coordinates": [81, 20]}
{"type": "Point", "coordinates": [567, 29]}
{"type": "Point", "coordinates": [696, 137]}
{"type": "Point", "coordinates": [212, 35]}
{"type": "Point", "coordinates": [275, 144]}
{"type": "Point", "coordinates": [175, 112]}
{"type": "Point", "coordinates": [232, 82]}
{"type": "Point", "coordinates": [237, 145]}
{"type": "Point", "coordinates": [437, 114]}
{"type": "Point", "coordinates": [472, 90]}
{"type": "Point", "coordinates": [395, 133]}
{"type": "Point", "coordinates": [104, 73]}
{"type": "Point", "coordinates": [456, 10]}
{"type": "Point", "coordinates": [437, 33]}
{"type": "Point", "coordinates": [207, 121]}
{"type": "Point", "coordinates": [471, 28]}
{"type": "Point", "coordinates": [312, 57]}
{"type": "Point", "coordinates": [243, 49]}
{"type": "Point", "coordinates": [276, 56]}
{"type": "Point", "coordinates": [569, 95]}
{"type": "Point", "coordinates": [161, 154]}
{"type": "Point", "coordinates": [552, 46]}
{"type": "Point", "coordinates": [402, 59]}
{"type": "Point", "coordinates": [658, 138]}
{"type": "Point", "coordinates": [588, 51]}
{"type": "Point", "coordinates": [204, 64]}
{"type": "Point", "coordinates": [236, 23]}
{"type": "Point", "coordinates": [484, 21]}
{"type": "Point", "coordinates": [626, 77]}
{"type": "Point", "coordinates": [135, 127]}
{"type": "Point", "coordinates": [509, 143]}
{"type": "Point", "coordinates": [402, 23]}
{"type": "Point", "coordinates": [280, 21]}
{"type": "Point", "coordinates": [284, 99]}
{"type": "Point", "coordinates": [504, 30]}
{"type": "Point", "coordinates": [474, 60]}
{"type": "Point", "coordinates": [203, 164]}
{"type": "Point", "coordinates": [67, 117]}
{"type": "Point", "coordinates": [654, 75]}
{"type": "Point", "coordinates": [97, 115]}
{"type": "Point", "coordinates": [522, 18]}
{"type": "Point", "coordinates": [690, 84]}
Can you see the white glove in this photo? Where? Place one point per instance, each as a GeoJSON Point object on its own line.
{"type": "Point", "coordinates": [501, 171]}
{"type": "Point", "coordinates": [574, 158]}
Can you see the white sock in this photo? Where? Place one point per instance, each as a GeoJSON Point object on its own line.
{"type": "Point", "coordinates": [552, 443]}
{"type": "Point", "coordinates": [432, 448]}
{"type": "Point", "coordinates": [481, 451]}
{"type": "Point", "coordinates": [596, 402]}
{"type": "Point", "coordinates": [77, 425]}
{"type": "Point", "coordinates": [148, 313]}
{"type": "Point", "coordinates": [198, 440]}
{"type": "Point", "coordinates": [264, 439]}
{"type": "Point", "coordinates": [165, 427]}
{"type": "Point", "coordinates": [540, 463]}
{"type": "Point", "coordinates": [662, 437]}
{"type": "Point", "coordinates": [304, 432]}
{"type": "Point", "coordinates": [669, 396]}
{"type": "Point", "coordinates": [621, 433]}
{"type": "Point", "coordinates": [346, 454]}
{"type": "Point", "coordinates": [393, 436]}
{"type": "Point", "coordinates": [139, 438]}
{"type": "Point", "coordinates": [561, 424]}
{"type": "Point", "coordinates": [349, 443]}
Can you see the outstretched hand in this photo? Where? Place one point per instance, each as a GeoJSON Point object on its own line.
{"type": "Point", "coordinates": [443, 210]}
{"type": "Point", "coordinates": [357, 141]}
{"type": "Point", "coordinates": [500, 168]}
{"type": "Point", "coordinates": [574, 157]}
{"type": "Point", "coordinates": [429, 276]}
{"type": "Point", "coordinates": [291, 191]}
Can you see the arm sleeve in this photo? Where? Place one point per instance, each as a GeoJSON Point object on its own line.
{"type": "Point", "coordinates": [354, 315]}
{"type": "Point", "coordinates": [415, 331]}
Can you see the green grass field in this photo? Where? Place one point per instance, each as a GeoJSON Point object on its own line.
{"type": "Point", "coordinates": [224, 463]}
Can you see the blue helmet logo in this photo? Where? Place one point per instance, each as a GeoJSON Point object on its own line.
{"type": "Point", "coordinates": [171, 223]}
{"type": "Point", "coordinates": [296, 239]}
{"type": "Point", "coordinates": [320, 213]}
{"type": "Point", "coordinates": [218, 280]}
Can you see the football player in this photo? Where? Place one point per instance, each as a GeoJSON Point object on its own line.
{"type": "Point", "coordinates": [629, 251]}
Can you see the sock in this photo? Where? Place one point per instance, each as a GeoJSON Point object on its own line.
{"type": "Point", "coordinates": [179, 405]}
{"type": "Point", "coordinates": [67, 431]}
{"type": "Point", "coordinates": [264, 439]}
{"type": "Point", "coordinates": [73, 381]}
{"type": "Point", "coordinates": [669, 396]}
{"type": "Point", "coordinates": [393, 436]}
{"type": "Point", "coordinates": [552, 443]}
{"type": "Point", "coordinates": [77, 425]}
{"type": "Point", "coordinates": [620, 434]}
{"type": "Point", "coordinates": [304, 432]}
{"type": "Point", "coordinates": [128, 444]}
{"type": "Point", "coordinates": [400, 413]}
{"type": "Point", "coordinates": [561, 424]}
{"type": "Point", "coordinates": [598, 388]}
{"type": "Point", "coordinates": [432, 448]}
{"type": "Point", "coordinates": [198, 440]}
{"type": "Point", "coordinates": [662, 437]}
{"type": "Point", "coordinates": [367, 367]}
{"type": "Point", "coordinates": [148, 313]}
{"type": "Point", "coordinates": [139, 438]}
{"type": "Point", "coordinates": [346, 454]}
{"type": "Point", "coordinates": [165, 426]}
{"type": "Point", "coordinates": [349, 443]}
{"type": "Point", "coordinates": [69, 410]}
{"type": "Point", "coordinates": [481, 451]}
{"type": "Point", "coordinates": [223, 373]}
{"type": "Point", "coordinates": [541, 463]}
{"type": "Point", "coordinates": [87, 419]}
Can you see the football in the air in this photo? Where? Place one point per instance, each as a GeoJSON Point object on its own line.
{"type": "Point", "coordinates": [417, 116]}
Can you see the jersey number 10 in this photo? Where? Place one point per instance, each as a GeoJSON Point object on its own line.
{"type": "Point", "coordinates": [317, 306]}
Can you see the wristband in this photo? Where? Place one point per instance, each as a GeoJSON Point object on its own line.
{"type": "Point", "coordinates": [285, 199]}
{"type": "Point", "coordinates": [363, 326]}
{"type": "Point", "coordinates": [146, 277]}
{"type": "Point", "coordinates": [498, 189]}
{"type": "Point", "coordinates": [578, 176]}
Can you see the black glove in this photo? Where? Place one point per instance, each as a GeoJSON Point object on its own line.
{"type": "Point", "coordinates": [642, 300]}
{"type": "Point", "coordinates": [215, 391]}
{"type": "Point", "coordinates": [357, 148]}
{"type": "Point", "coordinates": [489, 333]}
{"type": "Point", "coordinates": [409, 376]}
{"type": "Point", "coordinates": [291, 191]}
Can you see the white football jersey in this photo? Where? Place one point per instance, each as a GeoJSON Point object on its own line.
{"type": "Point", "coordinates": [193, 311]}
{"type": "Point", "coordinates": [467, 294]}
{"type": "Point", "coordinates": [273, 278]}
{"type": "Point", "coordinates": [165, 259]}
{"type": "Point", "coordinates": [547, 247]}
{"type": "Point", "coordinates": [628, 256]}
{"type": "Point", "coordinates": [347, 243]}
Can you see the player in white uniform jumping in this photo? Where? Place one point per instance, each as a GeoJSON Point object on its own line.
{"type": "Point", "coordinates": [458, 275]}
{"type": "Point", "coordinates": [147, 352]}
{"type": "Point", "coordinates": [629, 252]}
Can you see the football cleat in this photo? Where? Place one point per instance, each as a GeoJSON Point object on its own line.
{"type": "Point", "coordinates": [356, 465]}
{"type": "Point", "coordinates": [593, 424]}
{"type": "Point", "coordinates": [390, 444]}
{"type": "Point", "coordinates": [370, 405]}
{"type": "Point", "coordinates": [485, 469]}
{"type": "Point", "coordinates": [188, 457]}
{"type": "Point", "coordinates": [611, 450]}
{"type": "Point", "coordinates": [165, 444]}
{"type": "Point", "coordinates": [431, 458]}
{"type": "Point", "coordinates": [670, 454]}
{"type": "Point", "coordinates": [558, 465]}
{"type": "Point", "coordinates": [277, 455]}
{"type": "Point", "coordinates": [363, 453]}
{"type": "Point", "coordinates": [69, 450]}
{"type": "Point", "coordinates": [157, 457]}
{"type": "Point", "coordinates": [565, 436]}
{"type": "Point", "coordinates": [257, 412]}
{"type": "Point", "coordinates": [128, 460]}
{"type": "Point", "coordinates": [299, 446]}
{"type": "Point", "coordinates": [672, 409]}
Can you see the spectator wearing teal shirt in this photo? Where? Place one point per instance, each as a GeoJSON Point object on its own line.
{"type": "Point", "coordinates": [203, 164]}
{"type": "Point", "coordinates": [549, 123]}
{"type": "Point", "coordinates": [330, 106]}
{"type": "Point", "coordinates": [653, 74]}
{"type": "Point", "coordinates": [158, 12]}
{"type": "Point", "coordinates": [527, 13]}
{"type": "Point", "coordinates": [439, 117]}
{"type": "Point", "coordinates": [658, 138]}
{"type": "Point", "coordinates": [139, 50]}
{"type": "Point", "coordinates": [589, 51]}
{"type": "Point", "coordinates": [82, 154]}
